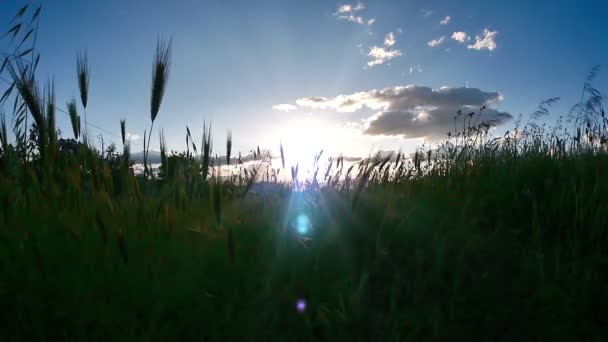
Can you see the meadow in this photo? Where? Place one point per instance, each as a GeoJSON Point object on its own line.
{"type": "Point", "coordinates": [479, 238]}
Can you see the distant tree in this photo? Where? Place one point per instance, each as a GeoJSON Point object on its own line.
{"type": "Point", "coordinates": [111, 157]}
{"type": "Point", "coordinates": [68, 146]}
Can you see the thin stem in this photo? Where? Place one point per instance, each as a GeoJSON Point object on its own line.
{"type": "Point", "coordinates": [149, 171]}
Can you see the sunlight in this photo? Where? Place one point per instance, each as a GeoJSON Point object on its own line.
{"type": "Point", "coordinates": [302, 140]}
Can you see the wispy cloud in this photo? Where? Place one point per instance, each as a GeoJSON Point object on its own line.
{"type": "Point", "coordinates": [414, 111]}
{"type": "Point", "coordinates": [284, 107]}
{"type": "Point", "coordinates": [426, 12]}
{"type": "Point", "coordinates": [446, 20]}
{"type": "Point", "coordinates": [317, 102]}
{"type": "Point", "coordinates": [487, 40]}
{"type": "Point", "coordinates": [390, 40]}
{"type": "Point", "coordinates": [416, 68]}
{"type": "Point", "coordinates": [350, 12]}
{"type": "Point", "coordinates": [352, 18]}
{"type": "Point", "coordinates": [461, 37]}
{"type": "Point", "coordinates": [371, 21]}
{"type": "Point", "coordinates": [436, 42]}
{"type": "Point", "coordinates": [349, 8]}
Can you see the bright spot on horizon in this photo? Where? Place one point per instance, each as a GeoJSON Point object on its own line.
{"type": "Point", "coordinates": [304, 138]}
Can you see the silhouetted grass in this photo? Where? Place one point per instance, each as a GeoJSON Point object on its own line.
{"type": "Point", "coordinates": [480, 238]}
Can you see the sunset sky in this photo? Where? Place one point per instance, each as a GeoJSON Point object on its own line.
{"type": "Point", "coordinates": [349, 77]}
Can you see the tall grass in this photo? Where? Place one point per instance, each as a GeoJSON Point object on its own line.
{"type": "Point", "coordinates": [83, 73]}
{"type": "Point", "coordinates": [160, 76]}
{"type": "Point", "coordinates": [480, 238]}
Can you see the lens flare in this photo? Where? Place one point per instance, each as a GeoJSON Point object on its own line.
{"type": "Point", "coordinates": [301, 305]}
{"type": "Point", "coordinates": [302, 224]}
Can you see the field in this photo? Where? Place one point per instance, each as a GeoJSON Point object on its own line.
{"type": "Point", "coordinates": [480, 238]}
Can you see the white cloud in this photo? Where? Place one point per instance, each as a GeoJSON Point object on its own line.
{"type": "Point", "coordinates": [345, 9]}
{"type": "Point", "coordinates": [371, 21]}
{"type": "Point", "coordinates": [426, 12]}
{"type": "Point", "coordinates": [352, 18]}
{"type": "Point", "coordinates": [284, 107]}
{"type": "Point", "coordinates": [132, 137]}
{"type": "Point", "coordinates": [381, 55]}
{"type": "Point", "coordinates": [390, 40]}
{"type": "Point", "coordinates": [349, 8]}
{"type": "Point", "coordinates": [446, 20]}
{"type": "Point", "coordinates": [436, 42]}
{"type": "Point", "coordinates": [485, 41]}
{"type": "Point", "coordinates": [414, 111]}
{"type": "Point", "coordinates": [416, 68]}
{"type": "Point", "coordinates": [359, 7]}
{"type": "Point", "coordinates": [348, 12]}
{"type": "Point", "coordinates": [461, 37]}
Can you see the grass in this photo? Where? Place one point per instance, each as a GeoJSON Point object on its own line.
{"type": "Point", "coordinates": [480, 238]}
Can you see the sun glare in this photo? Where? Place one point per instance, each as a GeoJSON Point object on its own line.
{"type": "Point", "coordinates": [303, 140]}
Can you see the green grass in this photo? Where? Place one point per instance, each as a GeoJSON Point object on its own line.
{"type": "Point", "coordinates": [481, 238]}
{"type": "Point", "coordinates": [513, 248]}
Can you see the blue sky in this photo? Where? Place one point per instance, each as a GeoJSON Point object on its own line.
{"type": "Point", "coordinates": [234, 60]}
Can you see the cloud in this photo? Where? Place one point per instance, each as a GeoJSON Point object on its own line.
{"type": "Point", "coordinates": [348, 12]}
{"type": "Point", "coordinates": [417, 68]}
{"type": "Point", "coordinates": [341, 103]}
{"type": "Point", "coordinates": [284, 107]}
{"type": "Point", "coordinates": [485, 41]}
{"type": "Point", "coordinates": [414, 111]}
{"type": "Point", "coordinates": [446, 20]}
{"type": "Point", "coordinates": [460, 37]}
{"type": "Point", "coordinates": [390, 40]}
{"type": "Point", "coordinates": [403, 97]}
{"type": "Point", "coordinates": [426, 12]}
{"type": "Point", "coordinates": [352, 18]}
{"type": "Point", "coordinates": [430, 123]}
{"type": "Point", "coordinates": [132, 137]}
{"type": "Point", "coordinates": [436, 42]}
{"type": "Point", "coordinates": [381, 55]}
{"type": "Point", "coordinates": [371, 21]}
{"type": "Point", "coordinates": [349, 8]}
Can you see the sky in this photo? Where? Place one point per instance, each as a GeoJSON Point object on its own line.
{"type": "Point", "coordinates": [347, 77]}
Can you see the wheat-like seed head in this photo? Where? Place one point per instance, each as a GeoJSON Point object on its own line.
{"type": "Point", "coordinates": [26, 85]}
{"type": "Point", "coordinates": [282, 155]}
{"type": "Point", "coordinates": [228, 147]}
{"type": "Point", "coordinates": [160, 75]}
{"type": "Point", "coordinates": [74, 117]}
{"type": "Point", "coordinates": [3, 134]}
{"type": "Point", "coordinates": [83, 73]}
{"type": "Point", "coordinates": [50, 112]}
{"type": "Point", "coordinates": [123, 130]}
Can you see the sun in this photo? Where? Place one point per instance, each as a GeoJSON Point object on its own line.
{"type": "Point", "coordinates": [303, 139]}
